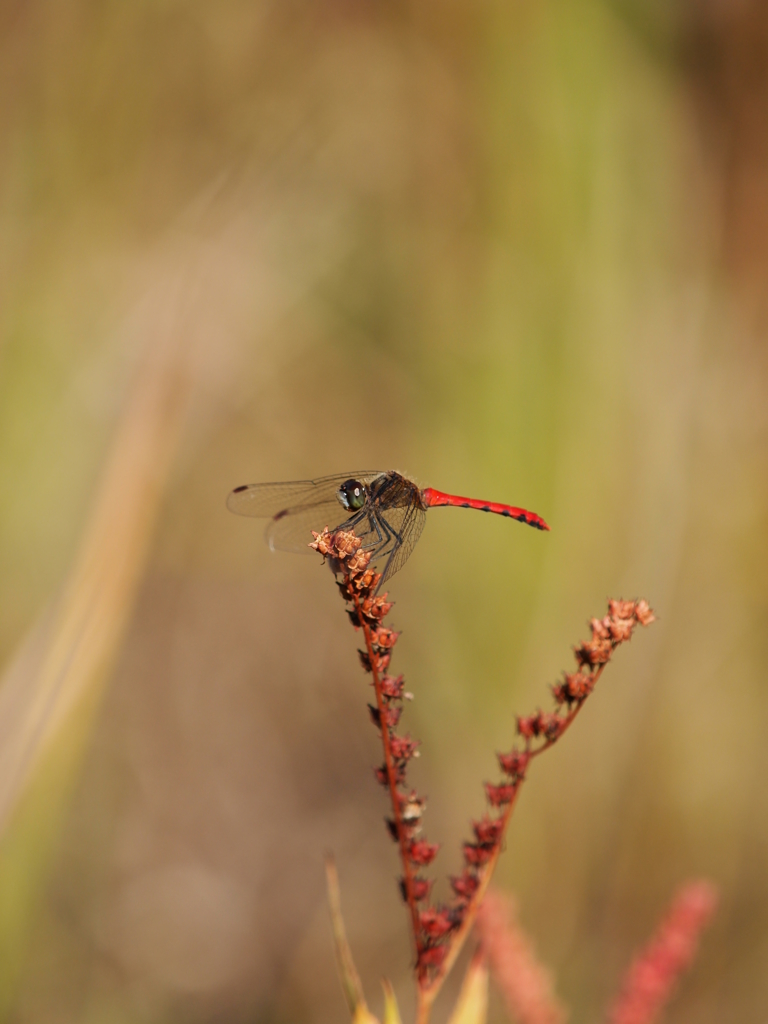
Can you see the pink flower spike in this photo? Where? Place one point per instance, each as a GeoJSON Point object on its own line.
{"type": "Point", "coordinates": [523, 982]}
{"type": "Point", "coordinates": [651, 978]}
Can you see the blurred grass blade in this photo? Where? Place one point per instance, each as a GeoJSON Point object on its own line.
{"type": "Point", "coordinates": [391, 1009]}
{"type": "Point", "coordinates": [472, 1004]}
{"type": "Point", "coordinates": [350, 979]}
{"type": "Point", "coordinates": [51, 690]}
{"type": "Point", "coordinates": [68, 653]}
{"type": "Point", "coordinates": [363, 1015]}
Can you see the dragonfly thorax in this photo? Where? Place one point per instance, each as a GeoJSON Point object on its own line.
{"type": "Point", "coordinates": [352, 495]}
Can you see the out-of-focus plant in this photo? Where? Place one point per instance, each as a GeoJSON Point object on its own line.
{"type": "Point", "coordinates": [440, 930]}
{"type": "Point", "coordinates": [526, 986]}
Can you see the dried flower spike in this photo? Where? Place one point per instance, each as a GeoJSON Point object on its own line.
{"type": "Point", "coordinates": [439, 932]}
{"type": "Point", "coordinates": [358, 585]}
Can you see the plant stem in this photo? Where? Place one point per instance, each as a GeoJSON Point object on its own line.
{"type": "Point", "coordinates": [428, 993]}
{"type": "Point", "coordinates": [402, 838]}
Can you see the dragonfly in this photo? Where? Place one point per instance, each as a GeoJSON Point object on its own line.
{"type": "Point", "coordinates": [385, 509]}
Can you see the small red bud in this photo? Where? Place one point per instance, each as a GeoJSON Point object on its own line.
{"type": "Point", "coordinates": [550, 726]}
{"type": "Point", "coordinates": [622, 609]}
{"type": "Point", "coordinates": [644, 613]}
{"type": "Point", "coordinates": [392, 688]}
{"type": "Point", "coordinates": [422, 852]}
{"type": "Point", "coordinates": [525, 726]}
{"type": "Point", "coordinates": [600, 628]}
{"type": "Point", "coordinates": [435, 923]}
{"type": "Point", "coordinates": [594, 652]}
{"type": "Point", "coordinates": [391, 716]}
{"type": "Point", "coordinates": [465, 885]}
{"type": "Point", "coordinates": [514, 763]}
{"type": "Point", "coordinates": [500, 795]}
{"type": "Point", "coordinates": [420, 887]}
{"type": "Point", "coordinates": [487, 830]}
{"type": "Point", "coordinates": [402, 747]}
{"type": "Point", "coordinates": [476, 855]}
{"type": "Point", "coordinates": [432, 956]}
{"type": "Point", "coordinates": [621, 630]}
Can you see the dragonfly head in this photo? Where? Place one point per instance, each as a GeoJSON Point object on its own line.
{"type": "Point", "coordinates": [352, 495]}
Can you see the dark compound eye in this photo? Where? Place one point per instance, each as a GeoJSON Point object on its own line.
{"type": "Point", "coordinates": [351, 494]}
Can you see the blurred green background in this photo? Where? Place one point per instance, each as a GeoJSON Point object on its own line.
{"type": "Point", "coordinates": [518, 251]}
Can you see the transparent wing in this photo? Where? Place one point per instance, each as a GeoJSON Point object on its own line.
{"type": "Point", "coordinates": [389, 525]}
{"type": "Point", "coordinates": [293, 531]}
{"type": "Point", "coordinates": [271, 499]}
{"type": "Point", "coordinates": [409, 530]}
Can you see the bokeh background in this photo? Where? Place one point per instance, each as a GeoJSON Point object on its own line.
{"type": "Point", "coordinates": [517, 250]}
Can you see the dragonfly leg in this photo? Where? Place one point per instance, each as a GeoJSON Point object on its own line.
{"type": "Point", "coordinates": [388, 562]}
{"type": "Point", "coordinates": [382, 535]}
{"type": "Point", "coordinates": [386, 535]}
{"type": "Point", "coordinates": [353, 522]}
{"type": "Point", "coordinates": [392, 533]}
{"type": "Point", "coordinates": [375, 533]}
{"type": "Point", "coordinates": [376, 526]}
{"type": "Point", "coordinates": [393, 537]}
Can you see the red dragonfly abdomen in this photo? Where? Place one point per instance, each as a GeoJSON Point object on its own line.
{"type": "Point", "coordinates": [433, 498]}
